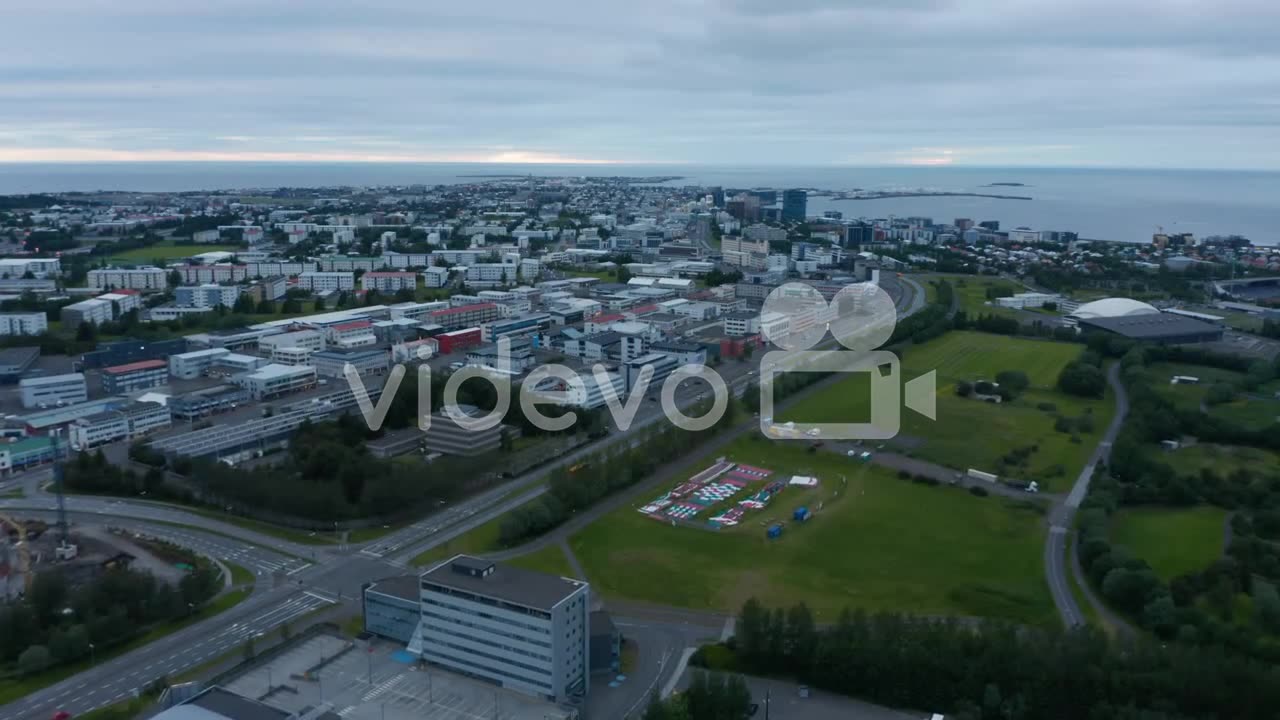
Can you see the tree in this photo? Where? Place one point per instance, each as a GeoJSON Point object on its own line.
{"type": "Point", "coordinates": [1220, 393]}
{"type": "Point", "coordinates": [175, 278]}
{"type": "Point", "coordinates": [964, 388]}
{"type": "Point", "coordinates": [34, 659]}
{"type": "Point", "coordinates": [86, 332]}
{"type": "Point", "coordinates": [1082, 379]}
{"type": "Point", "coordinates": [243, 305]}
{"type": "Point", "coordinates": [1266, 605]}
{"type": "Point", "coordinates": [1013, 381]}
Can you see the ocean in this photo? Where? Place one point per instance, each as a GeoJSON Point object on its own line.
{"type": "Point", "coordinates": [1106, 204]}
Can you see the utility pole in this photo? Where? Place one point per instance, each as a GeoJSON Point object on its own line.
{"type": "Point", "coordinates": [57, 482]}
{"type": "Point", "coordinates": [766, 704]}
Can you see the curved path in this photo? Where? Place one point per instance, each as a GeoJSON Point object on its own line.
{"type": "Point", "coordinates": [1062, 515]}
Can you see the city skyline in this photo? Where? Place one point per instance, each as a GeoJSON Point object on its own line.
{"type": "Point", "coordinates": [867, 83]}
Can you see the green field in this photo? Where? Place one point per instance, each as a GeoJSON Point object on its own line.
{"type": "Point", "coordinates": [973, 434]}
{"type": "Point", "coordinates": [877, 543]}
{"type": "Point", "coordinates": [165, 251]}
{"type": "Point", "coordinates": [480, 540]}
{"type": "Point", "coordinates": [550, 559]}
{"type": "Point", "coordinates": [972, 292]}
{"type": "Point", "coordinates": [1173, 541]}
{"type": "Point", "coordinates": [1222, 459]}
{"type": "Point", "coordinates": [1251, 412]}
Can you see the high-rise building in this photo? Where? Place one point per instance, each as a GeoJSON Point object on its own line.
{"type": "Point", "coordinates": [795, 205]}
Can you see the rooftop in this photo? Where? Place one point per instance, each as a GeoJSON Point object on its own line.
{"type": "Point", "coordinates": [136, 366]}
{"type": "Point", "coordinates": [503, 582]}
{"type": "Point", "coordinates": [1150, 327]}
{"type": "Point", "coordinates": [405, 587]}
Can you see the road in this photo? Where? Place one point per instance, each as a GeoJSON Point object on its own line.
{"type": "Point", "coordinates": [1062, 514]}
{"type": "Point", "coordinates": [290, 586]}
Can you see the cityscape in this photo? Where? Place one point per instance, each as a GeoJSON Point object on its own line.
{"type": "Point", "coordinates": [196, 381]}
{"type": "Point", "coordinates": [811, 360]}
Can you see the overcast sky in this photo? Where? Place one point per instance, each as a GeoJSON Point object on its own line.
{"type": "Point", "coordinates": [1147, 83]}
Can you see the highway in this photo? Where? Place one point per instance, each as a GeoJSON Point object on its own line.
{"type": "Point", "coordinates": [1062, 514]}
{"type": "Point", "coordinates": [297, 579]}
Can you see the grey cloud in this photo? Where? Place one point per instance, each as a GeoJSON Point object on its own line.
{"type": "Point", "coordinates": [801, 81]}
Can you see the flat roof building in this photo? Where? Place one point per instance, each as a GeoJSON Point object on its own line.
{"type": "Point", "coordinates": [123, 379]}
{"type": "Point", "coordinates": [52, 390]}
{"type": "Point", "coordinates": [274, 380]}
{"type": "Point", "coordinates": [1159, 328]}
{"type": "Point", "coordinates": [524, 630]}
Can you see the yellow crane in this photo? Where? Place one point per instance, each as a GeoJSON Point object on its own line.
{"type": "Point", "coordinates": [24, 551]}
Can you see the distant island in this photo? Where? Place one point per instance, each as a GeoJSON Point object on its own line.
{"type": "Point", "coordinates": [614, 179]}
{"type": "Point", "coordinates": [924, 193]}
{"type": "Point", "coordinates": [1004, 184]}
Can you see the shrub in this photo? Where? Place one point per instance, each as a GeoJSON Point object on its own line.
{"type": "Point", "coordinates": [978, 491]}
{"type": "Point", "coordinates": [1047, 407]}
{"type": "Point", "coordinates": [904, 475]}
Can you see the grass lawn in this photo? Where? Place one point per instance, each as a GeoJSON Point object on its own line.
{"type": "Point", "coordinates": [11, 690]}
{"type": "Point", "coordinates": [550, 559]}
{"type": "Point", "coordinates": [166, 251]}
{"type": "Point", "coordinates": [973, 434]}
{"type": "Point", "coordinates": [481, 539]}
{"type": "Point", "coordinates": [877, 543]}
{"type": "Point", "coordinates": [1222, 459]}
{"type": "Point", "coordinates": [973, 295]}
{"type": "Point", "coordinates": [1174, 541]}
{"type": "Point", "coordinates": [1252, 413]}
{"type": "Point", "coordinates": [240, 576]}
{"type": "Point", "coordinates": [1187, 397]}
{"type": "Point", "coordinates": [301, 537]}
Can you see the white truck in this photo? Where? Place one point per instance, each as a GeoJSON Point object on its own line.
{"type": "Point", "coordinates": [980, 475]}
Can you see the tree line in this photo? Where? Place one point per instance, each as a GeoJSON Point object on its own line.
{"type": "Point", "coordinates": [996, 671]}
{"type": "Point", "coordinates": [56, 622]}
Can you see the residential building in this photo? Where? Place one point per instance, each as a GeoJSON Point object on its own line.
{"type": "Point", "coordinates": [522, 629]}
{"type": "Point", "coordinates": [52, 390]}
{"type": "Point", "coordinates": [143, 278]}
{"type": "Point", "coordinates": [274, 380]}
{"type": "Point", "coordinates": [124, 379]}
{"type": "Point", "coordinates": [216, 273]}
{"type": "Point", "coordinates": [333, 363]}
{"type": "Point", "coordinates": [388, 281]}
{"type": "Point", "coordinates": [23, 323]}
{"type": "Point", "coordinates": [208, 295]}
{"type": "Point", "coordinates": [321, 281]}
{"type": "Point", "coordinates": [39, 267]}
{"type": "Point", "coordinates": [104, 308]}
{"type": "Point", "coordinates": [353, 334]}
{"type": "Point", "coordinates": [435, 277]}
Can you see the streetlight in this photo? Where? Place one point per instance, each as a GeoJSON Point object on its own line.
{"type": "Point", "coordinates": [93, 656]}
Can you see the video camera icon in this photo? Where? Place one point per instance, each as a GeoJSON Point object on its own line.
{"type": "Point", "coordinates": [861, 317]}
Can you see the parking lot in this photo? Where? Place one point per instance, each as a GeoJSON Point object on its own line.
{"type": "Point", "coordinates": [378, 681]}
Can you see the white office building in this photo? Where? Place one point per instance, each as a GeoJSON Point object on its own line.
{"type": "Point", "coordinates": [322, 281]}
{"type": "Point", "coordinates": [275, 380]}
{"type": "Point", "coordinates": [307, 339]}
{"type": "Point", "coordinates": [23, 323]}
{"type": "Point", "coordinates": [521, 629]}
{"type": "Point", "coordinates": [53, 390]}
{"type": "Point", "coordinates": [191, 365]}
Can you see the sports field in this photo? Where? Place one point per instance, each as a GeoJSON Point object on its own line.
{"type": "Point", "coordinates": [880, 543]}
{"type": "Point", "coordinates": [973, 434]}
{"type": "Point", "coordinates": [1173, 541]}
{"type": "Point", "coordinates": [164, 251]}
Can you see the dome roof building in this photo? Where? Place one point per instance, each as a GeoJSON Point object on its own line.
{"type": "Point", "coordinates": [1112, 308]}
